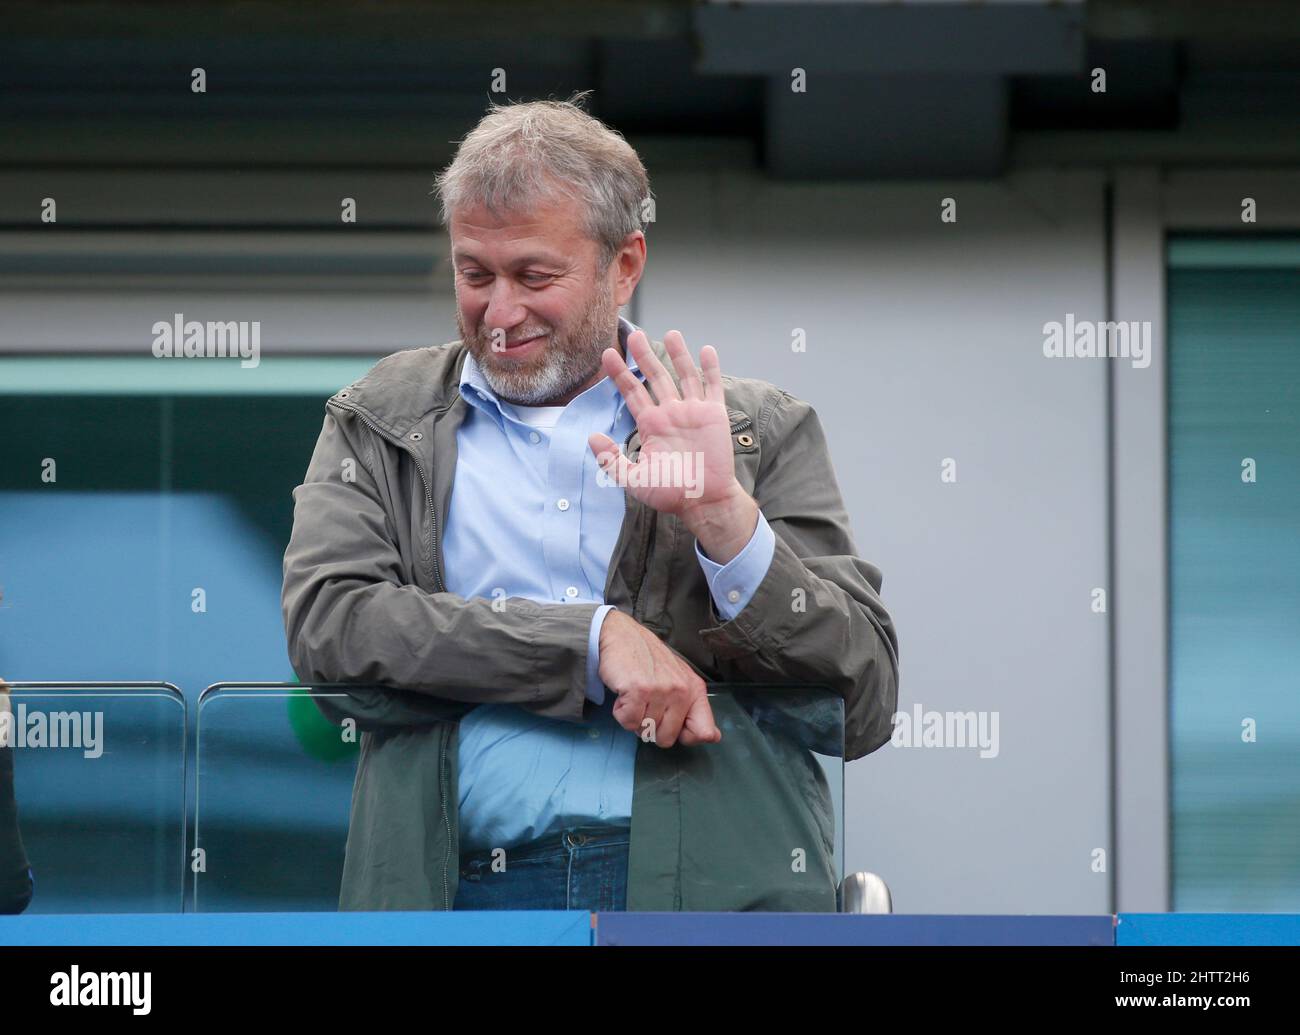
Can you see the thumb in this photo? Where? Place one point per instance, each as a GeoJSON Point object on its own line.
{"type": "Point", "coordinates": [602, 445]}
{"type": "Point", "coordinates": [609, 457]}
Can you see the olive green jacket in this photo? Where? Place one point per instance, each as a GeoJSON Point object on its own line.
{"type": "Point", "coordinates": [742, 824]}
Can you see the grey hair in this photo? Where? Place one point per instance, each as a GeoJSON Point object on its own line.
{"type": "Point", "coordinates": [532, 151]}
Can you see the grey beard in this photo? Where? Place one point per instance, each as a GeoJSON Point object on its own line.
{"type": "Point", "coordinates": [560, 374]}
{"type": "Point", "coordinates": [563, 367]}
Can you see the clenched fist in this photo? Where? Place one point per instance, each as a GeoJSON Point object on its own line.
{"type": "Point", "coordinates": [660, 697]}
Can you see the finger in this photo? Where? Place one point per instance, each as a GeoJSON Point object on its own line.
{"type": "Point", "coordinates": [628, 713]}
{"type": "Point", "coordinates": [688, 738]}
{"type": "Point", "coordinates": [654, 371]}
{"type": "Point", "coordinates": [629, 385]}
{"type": "Point", "coordinates": [651, 726]}
{"type": "Point", "coordinates": [670, 728]}
{"type": "Point", "coordinates": [713, 390]}
{"type": "Point", "coordinates": [611, 459]}
{"type": "Point", "coordinates": [699, 720]}
{"type": "Point", "coordinates": [602, 444]}
{"type": "Point", "coordinates": [692, 386]}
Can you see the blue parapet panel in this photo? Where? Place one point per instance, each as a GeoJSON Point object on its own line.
{"type": "Point", "coordinates": [387, 928]}
{"type": "Point", "coordinates": [1208, 929]}
{"type": "Point", "coordinates": [849, 929]}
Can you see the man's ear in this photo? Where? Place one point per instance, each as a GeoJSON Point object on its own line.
{"type": "Point", "coordinates": [629, 264]}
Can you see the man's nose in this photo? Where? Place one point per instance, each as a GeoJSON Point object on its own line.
{"type": "Point", "coordinates": [504, 310]}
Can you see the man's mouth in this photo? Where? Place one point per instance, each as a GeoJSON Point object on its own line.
{"type": "Point", "coordinates": [524, 343]}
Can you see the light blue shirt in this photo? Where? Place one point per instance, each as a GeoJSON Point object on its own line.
{"type": "Point", "coordinates": [529, 518]}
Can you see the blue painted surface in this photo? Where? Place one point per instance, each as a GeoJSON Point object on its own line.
{"type": "Point", "coordinates": [575, 928]}
{"type": "Point", "coordinates": [849, 929]}
{"type": "Point", "coordinates": [1208, 929]}
{"type": "Point", "coordinates": [394, 928]}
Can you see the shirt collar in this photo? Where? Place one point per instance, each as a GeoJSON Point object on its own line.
{"type": "Point", "coordinates": [477, 392]}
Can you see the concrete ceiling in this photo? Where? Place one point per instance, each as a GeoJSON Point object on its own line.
{"type": "Point", "coordinates": [897, 89]}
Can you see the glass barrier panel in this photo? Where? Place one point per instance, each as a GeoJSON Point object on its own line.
{"type": "Point", "coordinates": [273, 786]}
{"type": "Point", "coordinates": [92, 797]}
{"type": "Point", "coordinates": [363, 797]}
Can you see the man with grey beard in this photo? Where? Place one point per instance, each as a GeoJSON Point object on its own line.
{"type": "Point", "coordinates": [501, 547]}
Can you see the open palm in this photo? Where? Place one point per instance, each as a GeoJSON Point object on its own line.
{"type": "Point", "coordinates": [686, 458]}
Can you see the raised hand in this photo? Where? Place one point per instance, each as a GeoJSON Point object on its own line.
{"type": "Point", "coordinates": [686, 464]}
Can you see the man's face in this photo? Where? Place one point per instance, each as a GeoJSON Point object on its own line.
{"type": "Point", "coordinates": [531, 305]}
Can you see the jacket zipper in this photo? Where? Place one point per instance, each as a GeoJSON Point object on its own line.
{"type": "Point", "coordinates": [438, 584]}
{"type": "Point", "coordinates": [650, 538]}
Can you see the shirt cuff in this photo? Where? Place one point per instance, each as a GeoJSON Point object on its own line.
{"type": "Point", "coordinates": [732, 584]}
{"type": "Point", "coordinates": [595, 688]}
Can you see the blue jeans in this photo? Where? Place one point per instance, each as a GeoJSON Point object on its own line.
{"type": "Point", "coordinates": [583, 867]}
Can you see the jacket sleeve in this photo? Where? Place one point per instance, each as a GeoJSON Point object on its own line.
{"type": "Point", "coordinates": [350, 617]}
{"type": "Point", "coordinates": [817, 616]}
{"type": "Point", "coordinates": [382, 708]}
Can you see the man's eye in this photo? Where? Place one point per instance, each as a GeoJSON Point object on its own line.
{"type": "Point", "coordinates": [473, 276]}
{"type": "Point", "coordinates": [536, 278]}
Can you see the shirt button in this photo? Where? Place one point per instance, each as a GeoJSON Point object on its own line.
{"type": "Point", "coordinates": [734, 595]}
{"type": "Point", "coordinates": [534, 437]}
{"type": "Point", "coordinates": [594, 734]}
{"type": "Point", "coordinates": [572, 591]}
{"type": "Point", "coordinates": [562, 504]}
